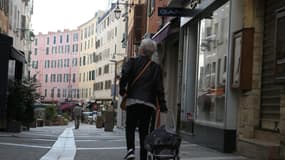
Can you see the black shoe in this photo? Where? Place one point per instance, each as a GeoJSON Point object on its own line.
{"type": "Point", "coordinates": [130, 155]}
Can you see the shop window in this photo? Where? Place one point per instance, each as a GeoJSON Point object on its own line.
{"type": "Point", "coordinates": [212, 57]}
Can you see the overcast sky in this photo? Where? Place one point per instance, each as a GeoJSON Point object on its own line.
{"type": "Point", "coordinates": [53, 15]}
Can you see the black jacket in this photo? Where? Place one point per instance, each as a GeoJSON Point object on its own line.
{"type": "Point", "coordinates": [148, 86]}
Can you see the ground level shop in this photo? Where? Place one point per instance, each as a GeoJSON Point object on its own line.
{"type": "Point", "coordinates": [209, 104]}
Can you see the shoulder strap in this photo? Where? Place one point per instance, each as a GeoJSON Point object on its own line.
{"type": "Point", "coordinates": [141, 72]}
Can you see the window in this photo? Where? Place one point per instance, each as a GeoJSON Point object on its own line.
{"type": "Point", "coordinates": [60, 39]}
{"type": "Point", "coordinates": [36, 42]}
{"type": "Point", "coordinates": [47, 40]}
{"type": "Point", "coordinates": [106, 69]}
{"type": "Point", "coordinates": [36, 51]}
{"type": "Point", "coordinates": [85, 33]}
{"type": "Point", "coordinates": [100, 71]}
{"type": "Point", "coordinates": [45, 92]}
{"type": "Point", "coordinates": [47, 51]}
{"type": "Point", "coordinates": [58, 93]}
{"type": "Point", "coordinates": [84, 60]}
{"type": "Point", "coordinates": [90, 75]}
{"type": "Point", "coordinates": [75, 37]}
{"type": "Point", "coordinates": [211, 81]}
{"type": "Point", "coordinates": [52, 92]}
{"type": "Point", "coordinates": [108, 84]}
{"type": "Point", "coordinates": [73, 77]}
{"type": "Point", "coordinates": [35, 64]}
{"type": "Point", "coordinates": [54, 39]}
{"type": "Point", "coordinates": [46, 78]}
{"type": "Point", "coordinates": [93, 75]}
{"type": "Point", "coordinates": [67, 38]}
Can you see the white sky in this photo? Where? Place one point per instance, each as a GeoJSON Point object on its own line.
{"type": "Point", "coordinates": [53, 15]}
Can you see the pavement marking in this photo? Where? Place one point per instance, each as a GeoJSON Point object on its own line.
{"type": "Point", "coordinates": [48, 140]}
{"type": "Point", "coordinates": [189, 145]}
{"type": "Point", "coordinates": [105, 148]}
{"type": "Point", "coordinates": [64, 148]}
{"type": "Point", "coordinates": [217, 158]}
{"type": "Point", "coordinates": [36, 134]}
{"type": "Point", "coordinates": [85, 140]}
{"type": "Point", "coordinates": [94, 140]}
{"type": "Point", "coordinates": [25, 145]}
{"type": "Point", "coordinates": [77, 136]}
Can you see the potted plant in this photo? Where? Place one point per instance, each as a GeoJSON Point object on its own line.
{"type": "Point", "coordinates": [21, 97]}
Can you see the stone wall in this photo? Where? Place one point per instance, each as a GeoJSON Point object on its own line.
{"type": "Point", "coordinates": [249, 107]}
{"type": "Point", "coordinates": [3, 23]}
{"type": "Point", "coordinates": [282, 126]}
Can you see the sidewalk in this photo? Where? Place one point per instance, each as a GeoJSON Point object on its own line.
{"type": "Point", "coordinates": [190, 151]}
{"type": "Point", "coordinates": [92, 135]}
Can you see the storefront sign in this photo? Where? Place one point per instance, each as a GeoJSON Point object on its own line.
{"type": "Point", "coordinates": [175, 12]}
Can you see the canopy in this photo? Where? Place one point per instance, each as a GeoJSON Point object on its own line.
{"type": "Point", "coordinates": [65, 106]}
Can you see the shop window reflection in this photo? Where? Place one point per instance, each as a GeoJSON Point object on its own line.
{"type": "Point", "coordinates": [213, 49]}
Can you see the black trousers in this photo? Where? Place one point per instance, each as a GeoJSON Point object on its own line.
{"type": "Point", "coordinates": [138, 115]}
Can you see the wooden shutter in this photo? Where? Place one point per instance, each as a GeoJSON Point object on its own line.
{"type": "Point", "coordinates": [270, 92]}
{"type": "Point", "coordinates": [139, 22]}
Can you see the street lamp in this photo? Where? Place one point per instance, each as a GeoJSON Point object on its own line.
{"type": "Point", "coordinates": [118, 11]}
{"type": "Point", "coordinates": [30, 36]}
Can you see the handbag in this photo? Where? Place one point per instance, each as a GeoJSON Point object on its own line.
{"type": "Point", "coordinates": [124, 100]}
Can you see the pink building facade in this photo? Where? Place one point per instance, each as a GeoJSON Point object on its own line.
{"type": "Point", "coordinates": [54, 61]}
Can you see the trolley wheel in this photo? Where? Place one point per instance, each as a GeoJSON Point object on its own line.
{"type": "Point", "coordinates": [149, 156]}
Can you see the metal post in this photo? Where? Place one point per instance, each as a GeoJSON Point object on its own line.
{"type": "Point", "coordinates": [126, 30]}
{"type": "Point", "coordinates": [115, 87]}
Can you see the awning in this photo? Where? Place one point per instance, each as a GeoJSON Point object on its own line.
{"type": "Point", "coordinates": [168, 29]}
{"type": "Point", "coordinates": [65, 106]}
{"type": "Point", "coordinates": [17, 55]}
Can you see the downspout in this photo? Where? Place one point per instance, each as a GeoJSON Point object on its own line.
{"type": "Point", "coordinates": [179, 80]}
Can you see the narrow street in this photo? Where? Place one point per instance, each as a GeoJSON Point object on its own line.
{"type": "Point", "coordinates": [87, 143]}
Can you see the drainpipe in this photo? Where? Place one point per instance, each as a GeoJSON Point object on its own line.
{"type": "Point", "coordinates": [179, 80]}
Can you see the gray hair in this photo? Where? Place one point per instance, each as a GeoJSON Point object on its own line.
{"type": "Point", "coordinates": [148, 47]}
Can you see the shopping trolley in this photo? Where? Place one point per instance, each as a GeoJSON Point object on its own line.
{"type": "Point", "coordinates": [162, 145]}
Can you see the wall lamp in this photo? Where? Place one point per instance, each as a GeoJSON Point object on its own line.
{"type": "Point", "coordinates": [118, 11]}
{"type": "Point", "coordinates": [31, 34]}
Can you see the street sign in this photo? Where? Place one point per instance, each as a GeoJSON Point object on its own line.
{"type": "Point", "coordinates": [176, 12]}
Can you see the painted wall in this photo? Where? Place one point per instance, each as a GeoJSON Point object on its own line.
{"type": "Point", "coordinates": [60, 60]}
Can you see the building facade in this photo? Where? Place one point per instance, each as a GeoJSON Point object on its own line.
{"type": "Point", "coordinates": [4, 12]}
{"type": "Point", "coordinates": [110, 50]}
{"type": "Point", "coordinates": [87, 52]}
{"type": "Point", "coordinates": [14, 16]}
{"type": "Point", "coordinates": [136, 25]}
{"type": "Point", "coordinates": [209, 105]}
{"type": "Point", "coordinates": [20, 13]}
{"type": "Point", "coordinates": [261, 109]}
{"type": "Point", "coordinates": [55, 61]}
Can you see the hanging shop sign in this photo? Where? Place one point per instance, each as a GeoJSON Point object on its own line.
{"type": "Point", "coordinates": [175, 12]}
{"type": "Point", "coordinates": [193, 3]}
{"type": "Point", "coordinates": [179, 12]}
